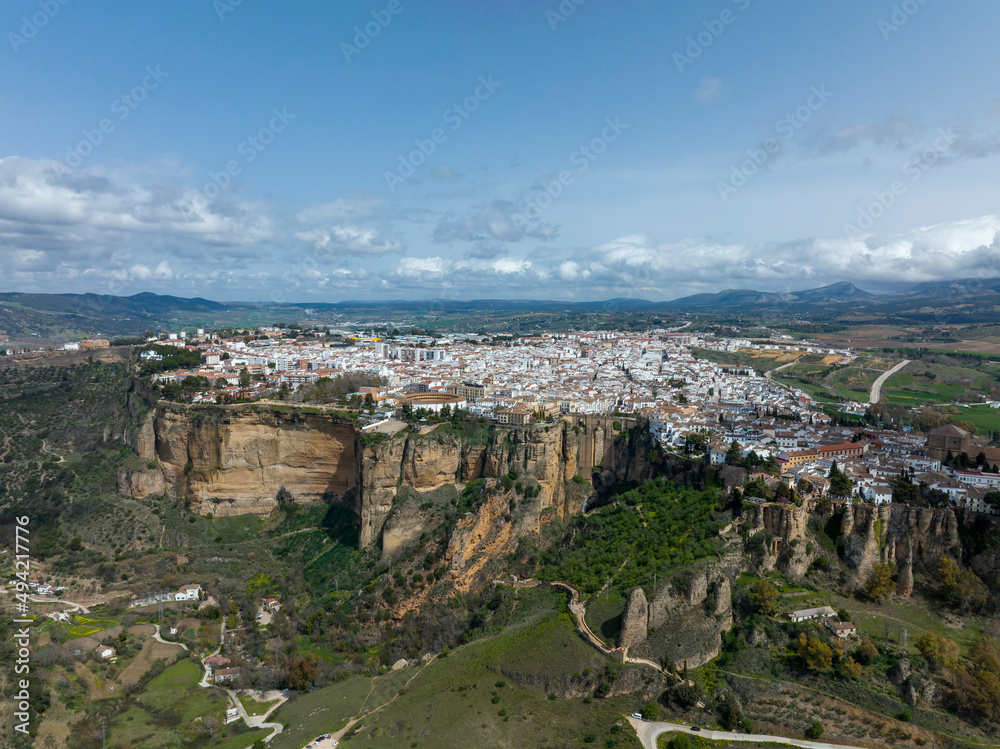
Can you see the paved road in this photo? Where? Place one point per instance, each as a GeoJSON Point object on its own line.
{"type": "Point", "coordinates": [768, 373]}
{"type": "Point", "coordinates": [648, 733]}
{"type": "Point", "coordinates": [156, 636]}
{"type": "Point", "coordinates": [877, 385]}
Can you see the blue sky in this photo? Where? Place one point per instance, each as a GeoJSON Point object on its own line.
{"type": "Point", "coordinates": [582, 149]}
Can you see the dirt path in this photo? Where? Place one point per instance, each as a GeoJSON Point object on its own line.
{"type": "Point", "coordinates": [578, 610]}
{"type": "Point", "coordinates": [350, 723]}
{"type": "Point", "coordinates": [50, 452]}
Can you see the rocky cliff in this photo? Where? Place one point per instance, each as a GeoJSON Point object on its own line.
{"type": "Point", "coordinates": [546, 455]}
{"type": "Point", "coordinates": [234, 461]}
{"type": "Point", "coordinates": [913, 538]}
{"type": "Point", "coordinates": [684, 621]}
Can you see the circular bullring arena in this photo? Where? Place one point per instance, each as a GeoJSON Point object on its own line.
{"type": "Point", "coordinates": [434, 401]}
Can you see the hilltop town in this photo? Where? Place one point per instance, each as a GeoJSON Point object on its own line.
{"type": "Point", "coordinates": [790, 444]}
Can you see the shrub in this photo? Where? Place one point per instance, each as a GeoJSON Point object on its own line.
{"type": "Point", "coordinates": [815, 730]}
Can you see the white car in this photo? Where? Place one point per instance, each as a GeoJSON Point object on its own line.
{"type": "Point", "coordinates": [637, 715]}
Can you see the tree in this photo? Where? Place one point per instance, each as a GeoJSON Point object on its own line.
{"type": "Point", "coordinates": [651, 711]}
{"type": "Point", "coordinates": [764, 597]}
{"type": "Point", "coordinates": [680, 741]}
{"type": "Point", "coordinates": [940, 652]}
{"type": "Point", "coordinates": [880, 585]}
{"type": "Point", "coordinates": [734, 454]}
{"type": "Point", "coordinates": [731, 711]}
{"type": "Point", "coordinates": [302, 672]}
{"type": "Point", "coordinates": [815, 653]}
{"type": "Point", "coordinates": [815, 730]}
{"type": "Point", "coordinates": [244, 378]}
{"type": "Point", "coordinates": [757, 488]}
{"type": "Point", "coordinates": [851, 668]}
{"type": "Point", "coordinates": [866, 651]}
{"type": "Point", "coordinates": [841, 486]}
{"type": "Point", "coordinates": [686, 695]}
{"type": "Point", "coordinates": [960, 587]}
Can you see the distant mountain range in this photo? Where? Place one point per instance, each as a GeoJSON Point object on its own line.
{"type": "Point", "coordinates": [47, 317]}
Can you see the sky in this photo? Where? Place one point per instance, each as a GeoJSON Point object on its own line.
{"type": "Point", "coordinates": [254, 150]}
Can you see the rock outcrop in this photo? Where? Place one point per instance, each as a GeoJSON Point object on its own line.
{"type": "Point", "coordinates": [913, 538]}
{"type": "Point", "coordinates": [787, 525]}
{"type": "Point", "coordinates": [635, 620]}
{"type": "Point", "coordinates": [684, 623]}
{"type": "Point", "coordinates": [141, 484]}
{"type": "Point", "coordinates": [234, 461]}
{"type": "Point", "coordinates": [547, 456]}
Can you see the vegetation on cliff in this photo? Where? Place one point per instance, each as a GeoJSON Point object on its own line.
{"type": "Point", "coordinates": [654, 529]}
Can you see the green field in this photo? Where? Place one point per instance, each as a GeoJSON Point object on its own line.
{"type": "Point", "coordinates": [174, 711]}
{"type": "Point", "coordinates": [985, 418]}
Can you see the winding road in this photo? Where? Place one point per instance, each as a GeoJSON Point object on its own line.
{"type": "Point", "coordinates": [648, 733]}
{"type": "Point", "coordinates": [877, 385]}
{"type": "Point", "coordinates": [78, 607]}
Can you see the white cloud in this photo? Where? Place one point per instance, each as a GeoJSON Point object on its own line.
{"type": "Point", "coordinates": [709, 89]}
{"type": "Point", "coordinates": [340, 210]}
{"type": "Point", "coordinates": [349, 240]}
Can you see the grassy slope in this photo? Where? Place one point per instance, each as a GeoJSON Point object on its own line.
{"type": "Point", "coordinates": [456, 698]}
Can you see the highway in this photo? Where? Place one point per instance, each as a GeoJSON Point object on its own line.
{"type": "Point", "coordinates": [876, 392]}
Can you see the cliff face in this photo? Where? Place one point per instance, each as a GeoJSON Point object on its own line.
{"type": "Point", "coordinates": [230, 461]}
{"type": "Point", "coordinates": [788, 526]}
{"type": "Point", "coordinates": [685, 625]}
{"type": "Point", "coordinates": [914, 538]}
{"type": "Point", "coordinates": [549, 455]}
{"type": "Point", "coordinates": [235, 460]}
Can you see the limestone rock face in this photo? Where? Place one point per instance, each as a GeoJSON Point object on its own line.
{"type": "Point", "coordinates": [904, 560]}
{"type": "Point", "coordinates": [428, 464]}
{"type": "Point", "coordinates": [915, 538]}
{"type": "Point", "coordinates": [788, 525]}
{"type": "Point", "coordinates": [550, 455]}
{"type": "Point", "coordinates": [687, 625]}
{"type": "Point", "coordinates": [145, 439]}
{"type": "Point", "coordinates": [634, 620]}
{"type": "Point", "coordinates": [900, 672]}
{"type": "Point", "coordinates": [232, 461]}
{"type": "Point", "coordinates": [379, 469]}
{"type": "Point", "coordinates": [141, 484]}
